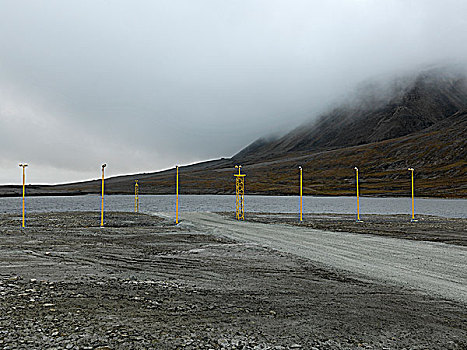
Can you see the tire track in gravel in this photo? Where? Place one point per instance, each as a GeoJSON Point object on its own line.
{"type": "Point", "coordinates": [433, 268]}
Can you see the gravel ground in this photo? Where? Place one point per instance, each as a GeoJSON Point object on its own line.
{"type": "Point", "coordinates": [142, 283]}
{"type": "Point", "coordinates": [427, 228]}
{"type": "Point", "coordinates": [433, 268]}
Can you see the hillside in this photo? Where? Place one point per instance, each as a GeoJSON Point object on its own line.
{"type": "Point", "coordinates": [421, 124]}
{"type": "Point", "coordinates": [376, 114]}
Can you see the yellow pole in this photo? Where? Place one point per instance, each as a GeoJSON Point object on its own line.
{"type": "Point", "coordinates": [413, 202]}
{"type": "Point", "coordinates": [23, 223]}
{"type": "Point", "coordinates": [301, 193]}
{"type": "Point", "coordinates": [136, 196]}
{"type": "Point", "coordinates": [102, 200]}
{"type": "Point", "coordinates": [24, 190]}
{"type": "Point", "coordinates": [413, 197]}
{"type": "Point", "coordinates": [358, 197]}
{"type": "Point", "coordinates": [176, 199]}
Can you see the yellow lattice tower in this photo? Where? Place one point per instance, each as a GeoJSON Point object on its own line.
{"type": "Point", "coordinates": [240, 194]}
{"type": "Point", "coordinates": [136, 196]}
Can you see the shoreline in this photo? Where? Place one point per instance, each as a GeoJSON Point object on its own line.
{"type": "Point", "coordinates": [75, 194]}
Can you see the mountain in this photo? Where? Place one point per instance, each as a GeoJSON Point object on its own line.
{"type": "Point", "coordinates": [418, 121]}
{"type": "Point", "coordinates": [412, 106]}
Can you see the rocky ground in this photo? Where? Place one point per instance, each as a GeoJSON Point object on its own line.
{"type": "Point", "coordinates": [143, 283]}
{"type": "Point", "coordinates": [427, 228]}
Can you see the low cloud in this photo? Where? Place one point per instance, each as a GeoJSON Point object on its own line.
{"type": "Point", "coordinates": [146, 85]}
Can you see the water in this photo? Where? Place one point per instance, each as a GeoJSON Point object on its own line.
{"type": "Point", "coordinates": [276, 204]}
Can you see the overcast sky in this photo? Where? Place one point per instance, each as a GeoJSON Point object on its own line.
{"type": "Point", "coordinates": [144, 85]}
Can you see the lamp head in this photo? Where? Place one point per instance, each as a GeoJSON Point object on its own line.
{"type": "Point", "coordinates": [300, 167]}
{"type": "Point", "coordinates": [411, 169]}
{"type": "Point", "coordinates": [104, 165]}
{"type": "Point", "coordinates": [356, 168]}
{"type": "Point", "coordinates": [23, 165]}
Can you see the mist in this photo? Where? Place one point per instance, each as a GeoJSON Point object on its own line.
{"type": "Point", "coordinates": [143, 86]}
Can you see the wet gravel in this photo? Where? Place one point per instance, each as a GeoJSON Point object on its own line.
{"type": "Point", "coordinates": [143, 283]}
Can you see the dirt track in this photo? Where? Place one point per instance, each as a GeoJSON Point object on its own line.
{"type": "Point", "coordinates": [428, 228]}
{"type": "Point", "coordinates": [429, 267]}
{"type": "Point", "coordinates": [142, 283]}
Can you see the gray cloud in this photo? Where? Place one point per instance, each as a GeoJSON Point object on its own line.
{"type": "Point", "coordinates": [145, 85]}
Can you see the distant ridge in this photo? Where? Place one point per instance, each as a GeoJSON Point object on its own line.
{"type": "Point", "coordinates": [419, 122]}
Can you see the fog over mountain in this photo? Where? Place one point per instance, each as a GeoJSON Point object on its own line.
{"type": "Point", "coordinates": [375, 112]}
{"type": "Point", "coordinates": [417, 121]}
{"type": "Point", "coordinates": [146, 85]}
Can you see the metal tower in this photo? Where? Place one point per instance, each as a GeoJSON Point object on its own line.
{"type": "Point", "coordinates": [239, 194]}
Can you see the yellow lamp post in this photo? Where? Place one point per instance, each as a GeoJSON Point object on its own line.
{"type": "Point", "coordinates": [102, 201]}
{"type": "Point", "coordinates": [301, 192]}
{"type": "Point", "coordinates": [176, 195]}
{"type": "Point", "coordinates": [358, 197]}
{"type": "Point", "coordinates": [136, 196]}
{"type": "Point", "coordinates": [23, 224]}
{"type": "Point", "coordinates": [413, 197]}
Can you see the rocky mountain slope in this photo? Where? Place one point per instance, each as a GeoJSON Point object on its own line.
{"type": "Point", "coordinates": [420, 122]}
{"type": "Point", "coordinates": [379, 113]}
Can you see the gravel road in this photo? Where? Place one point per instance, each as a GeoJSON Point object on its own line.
{"type": "Point", "coordinates": [433, 268]}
